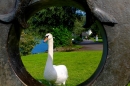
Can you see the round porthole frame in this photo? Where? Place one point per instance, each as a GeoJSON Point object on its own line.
{"type": "Point", "coordinates": [24, 76]}
{"type": "Point", "coordinates": [103, 58]}
{"type": "Point", "coordinates": [19, 69]}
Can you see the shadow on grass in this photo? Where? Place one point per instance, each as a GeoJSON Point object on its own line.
{"type": "Point", "coordinates": [44, 82]}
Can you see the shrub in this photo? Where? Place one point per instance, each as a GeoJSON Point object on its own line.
{"type": "Point", "coordinates": [27, 42]}
{"type": "Point", "coordinates": [62, 37]}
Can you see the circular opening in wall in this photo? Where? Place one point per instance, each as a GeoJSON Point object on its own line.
{"type": "Point", "coordinates": [81, 55]}
{"type": "Point", "coordinates": [35, 64]}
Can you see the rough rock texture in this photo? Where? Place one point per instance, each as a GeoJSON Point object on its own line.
{"type": "Point", "coordinates": [7, 10]}
{"type": "Point", "coordinates": [117, 68]}
{"type": "Point", "coordinates": [113, 14]}
{"type": "Point", "coordinates": [7, 76]}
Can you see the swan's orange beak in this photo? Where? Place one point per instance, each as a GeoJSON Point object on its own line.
{"type": "Point", "coordinates": [46, 38]}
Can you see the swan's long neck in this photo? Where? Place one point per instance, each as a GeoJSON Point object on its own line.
{"type": "Point", "coordinates": [50, 53]}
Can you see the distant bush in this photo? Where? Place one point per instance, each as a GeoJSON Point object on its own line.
{"type": "Point", "coordinates": [77, 39]}
{"type": "Point", "coordinates": [62, 37]}
{"type": "Point", "coordinates": [27, 42]}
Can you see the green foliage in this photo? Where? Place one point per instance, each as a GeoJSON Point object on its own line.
{"type": "Point", "coordinates": [27, 42]}
{"type": "Point", "coordinates": [60, 21]}
{"type": "Point", "coordinates": [78, 38]}
{"type": "Point", "coordinates": [78, 25]}
{"type": "Point", "coordinates": [62, 37]}
{"type": "Point", "coordinates": [57, 20]}
{"type": "Point", "coordinates": [53, 17]}
{"type": "Point", "coordinates": [81, 65]}
{"type": "Point", "coordinates": [100, 40]}
{"type": "Point", "coordinates": [95, 30]}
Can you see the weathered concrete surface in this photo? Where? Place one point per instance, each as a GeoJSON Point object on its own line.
{"type": "Point", "coordinates": [117, 68]}
{"type": "Point", "coordinates": [7, 75]}
{"type": "Point", "coordinates": [113, 14]}
{"type": "Point", "coordinates": [7, 10]}
{"type": "Point", "coordinates": [15, 59]}
{"type": "Point", "coordinates": [7, 6]}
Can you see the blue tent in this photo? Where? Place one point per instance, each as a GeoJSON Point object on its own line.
{"type": "Point", "coordinates": [40, 48]}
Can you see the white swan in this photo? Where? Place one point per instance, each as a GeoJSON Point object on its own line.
{"type": "Point", "coordinates": [52, 73]}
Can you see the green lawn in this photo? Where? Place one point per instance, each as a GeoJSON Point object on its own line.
{"type": "Point", "coordinates": [99, 40]}
{"type": "Point", "coordinates": [80, 64]}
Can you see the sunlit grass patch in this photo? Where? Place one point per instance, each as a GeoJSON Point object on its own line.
{"type": "Point", "coordinates": [80, 64]}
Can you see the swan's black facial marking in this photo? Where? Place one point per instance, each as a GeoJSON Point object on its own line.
{"type": "Point", "coordinates": [46, 36]}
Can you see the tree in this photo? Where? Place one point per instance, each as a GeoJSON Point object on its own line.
{"type": "Point", "coordinates": [78, 25]}
{"type": "Point", "coordinates": [53, 17]}
{"type": "Point", "coordinates": [95, 30]}
{"type": "Point", "coordinates": [27, 42]}
{"type": "Point", "coordinates": [59, 21]}
{"type": "Point", "coordinates": [62, 37]}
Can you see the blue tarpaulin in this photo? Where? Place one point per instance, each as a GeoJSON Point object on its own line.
{"type": "Point", "coordinates": [40, 48]}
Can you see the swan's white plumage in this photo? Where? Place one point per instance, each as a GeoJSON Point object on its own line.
{"type": "Point", "coordinates": [52, 73]}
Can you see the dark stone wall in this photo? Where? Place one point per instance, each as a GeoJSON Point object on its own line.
{"type": "Point", "coordinates": [7, 75]}
{"type": "Point", "coordinates": [117, 68]}
{"type": "Point", "coordinates": [114, 15]}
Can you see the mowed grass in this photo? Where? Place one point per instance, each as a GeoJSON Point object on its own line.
{"type": "Point", "coordinates": [80, 64]}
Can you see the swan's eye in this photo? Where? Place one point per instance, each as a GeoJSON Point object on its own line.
{"type": "Point", "coordinates": [47, 36]}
